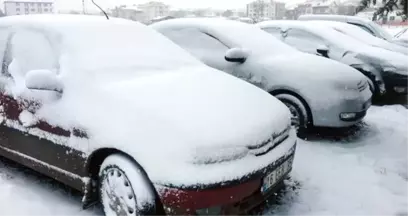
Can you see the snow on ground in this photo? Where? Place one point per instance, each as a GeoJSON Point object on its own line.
{"type": "Point", "coordinates": [362, 174]}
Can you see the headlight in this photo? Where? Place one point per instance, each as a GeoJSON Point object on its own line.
{"type": "Point", "coordinates": [346, 86]}
{"type": "Point", "coordinates": [388, 68]}
{"type": "Point", "coordinates": [362, 66]}
{"type": "Point", "coordinates": [218, 155]}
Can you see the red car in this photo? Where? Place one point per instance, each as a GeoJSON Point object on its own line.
{"type": "Point", "coordinates": [120, 113]}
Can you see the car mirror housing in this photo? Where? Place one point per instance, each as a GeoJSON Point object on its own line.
{"type": "Point", "coordinates": [45, 80]}
{"type": "Point", "coordinates": [236, 55]}
{"type": "Point", "coordinates": [323, 50]}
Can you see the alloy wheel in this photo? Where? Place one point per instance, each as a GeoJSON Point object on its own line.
{"type": "Point", "coordinates": [295, 115]}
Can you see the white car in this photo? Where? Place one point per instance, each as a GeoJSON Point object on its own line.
{"type": "Point", "coordinates": [117, 111]}
{"type": "Point", "coordinates": [319, 92]}
{"type": "Point", "coordinates": [363, 36]}
{"type": "Point", "coordinates": [387, 70]}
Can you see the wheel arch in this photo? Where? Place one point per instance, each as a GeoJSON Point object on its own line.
{"type": "Point", "coordinates": [92, 167]}
{"type": "Point", "coordinates": [298, 96]}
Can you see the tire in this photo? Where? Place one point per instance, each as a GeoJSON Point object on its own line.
{"type": "Point", "coordinates": [124, 190]}
{"type": "Point", "coordinates": [298, 110]}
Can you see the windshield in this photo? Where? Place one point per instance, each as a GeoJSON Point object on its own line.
{"type": "Point", "coordinates": [359, 34]}
{"type": "Point", "coordinates": [401, 33]}
{"type": "Point", "coordinates": [337, 38]}
{"type": "Point", "coordinates": [123, 47]}
{"type": "Point", "coordinates": [253, 38]}
{"type": "Point", "coordinates": [384, 34]}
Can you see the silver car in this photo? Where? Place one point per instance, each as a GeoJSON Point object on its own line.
{"type": "Point", "coordinates": [387, 70]}
{"type": "Point", "coordinates": [318, 91]}
{"type": "Point", "coordinates": [365, 24]}
{"type": "Point", "coordinates": [363, 36]}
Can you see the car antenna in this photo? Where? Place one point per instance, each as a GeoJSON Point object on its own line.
{"type": "Point", "coordinates": [106, 15]}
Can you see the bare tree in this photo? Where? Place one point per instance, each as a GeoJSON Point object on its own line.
{"type": "Point", "coordinates": [258, 7]}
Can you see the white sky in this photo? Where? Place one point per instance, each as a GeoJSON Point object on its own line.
{"type": "Point", "coordinates": [216, 4]}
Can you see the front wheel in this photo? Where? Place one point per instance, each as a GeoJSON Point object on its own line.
{"type": "Point", "coordinates": [299, 116]}
{"type": "Point", "coordinates": [123, 189]}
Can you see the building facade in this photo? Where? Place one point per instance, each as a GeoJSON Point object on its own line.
{"type": "Point", "coordinates": [153, 10]}
{"type": "Point", "coordinates": [129, 12]}
{"type": "Point", "coordinates": [20, 7]}
{"type": "Point", "coordinates": [261, 9]}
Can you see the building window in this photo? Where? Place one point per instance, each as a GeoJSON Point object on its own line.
{"type": "Point", "coordinates": [32, 10]}
{"type": "Point", "coordinates": [32, 4]}
{"type": "Point", "coordinates": [46, 10]}
{"type": "Point", "coordinates": [17, 4]}
{"type": "Point", "coordinates": [26, 4]}
{"type": "Point", "coordinates": [18, 9]}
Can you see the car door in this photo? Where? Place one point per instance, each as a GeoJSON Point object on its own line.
{"type": "Point", "coordinates": [303, 40]}
{"type": "Point", "coordinates": [24, 137]}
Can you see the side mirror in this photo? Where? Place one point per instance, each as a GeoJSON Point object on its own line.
{"type": "Point", "coordinates": [45, 80]}
{"type": "Point", "coordinates": [236, 55]}
{"type": "Point", "coordinates": [323, 50]}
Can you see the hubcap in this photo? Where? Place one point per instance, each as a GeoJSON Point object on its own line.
{"type": "Point", "coordinates": [117, 194]}
{"type": "Point", "coordinates": [295, 118]}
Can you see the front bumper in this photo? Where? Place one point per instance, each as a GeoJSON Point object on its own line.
{"type": "Point", "coordinates": [345, 112]}
{"type": "Point", "coordinates": [226, 198]}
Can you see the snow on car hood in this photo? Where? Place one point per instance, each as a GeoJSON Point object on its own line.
{"type": "Point", "coordinates": [317, 68]}
{"type": "Point", "coordinates": [166, 120]}
{"type": "Point", "coordinates": [384, 57]}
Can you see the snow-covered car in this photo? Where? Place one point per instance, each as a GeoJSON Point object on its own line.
{"type": "Point", "coordinates": [296, 78]}
{"type": "Point", "coordinates": [402, 36]}
{"type": "Point", "coordinates": [363, 23]}
{"type": "Point", "coordinates": [363, 36]}
{"type": "Point", "coordinates": [386, 70]}
{"type": "Point", "coordinates": [117, 111]}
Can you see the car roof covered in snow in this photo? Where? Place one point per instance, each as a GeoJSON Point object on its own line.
{"type": "Point", "coordinates": [230, 32]}
{"type": "Point", "coordinates": [333, 17]}
{"type": "Point", "coordinates": [324, 31]}
{"type": "Point", "coordinates": [203, 23]}
{"type": "Point", "coordinates": [61, 21]}
{"type": "Point", "coordinates": [95, 42]}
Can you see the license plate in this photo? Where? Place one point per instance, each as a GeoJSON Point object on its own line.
{"type": "Point", "coordinates": [272, 178]}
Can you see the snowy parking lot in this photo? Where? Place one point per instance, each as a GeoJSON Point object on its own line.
{"type": "Point", "coordinates": [364, 173]}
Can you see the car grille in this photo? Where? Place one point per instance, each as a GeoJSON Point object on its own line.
{"type": "Point", "coordinates": [269, 144]}
{"type": "Point", "coordinates": [362, 85]}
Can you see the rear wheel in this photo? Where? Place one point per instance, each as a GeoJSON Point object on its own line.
{"type": "Point", "coordinates": [123, 189]}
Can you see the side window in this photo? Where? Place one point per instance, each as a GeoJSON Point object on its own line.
{"type": "Point", "coordinates": [363, 27]}
{"type": "Point", "coordinates": [303, 41]}
{"type": "Point", "coordinates": [29, 50]}
{"type": "Point", "coordinates": [199, 44]}
{"type": "Point", "coordinates": [273, 31]}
